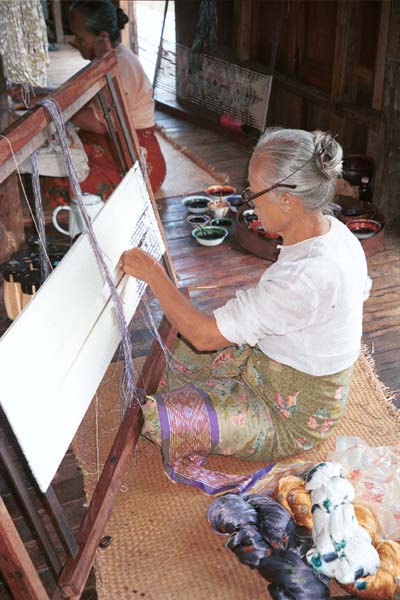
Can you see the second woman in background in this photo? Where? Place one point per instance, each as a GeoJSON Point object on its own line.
{"type": "Point", "coordinates": [91, 21]}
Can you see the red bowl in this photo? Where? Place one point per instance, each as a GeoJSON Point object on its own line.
{"type": "Point", "coordinates": [257, 228]}
{"type": "Point", "coordinates": [364, 228]}
{"type": "Point", "coordinates": [220, 190]}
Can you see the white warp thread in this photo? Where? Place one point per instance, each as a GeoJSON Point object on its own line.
{"type": "Point", "coordinates": [129, 380]}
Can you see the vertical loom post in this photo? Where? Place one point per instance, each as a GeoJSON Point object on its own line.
{"type": "Point", "coordinates": [130, 133]}
{"type": "Point", "coordinates": [15, 563]}
{"type": "Point", "coordinates": [25, 498]}
{"type": "Point", "coordinates": [130, 143]}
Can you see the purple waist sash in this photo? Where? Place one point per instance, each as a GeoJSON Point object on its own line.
{"type": "Point", "coordinates": [190, 433]}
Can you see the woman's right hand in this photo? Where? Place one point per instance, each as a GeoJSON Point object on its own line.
{"type": "Point", "coordinates": [139, 264]}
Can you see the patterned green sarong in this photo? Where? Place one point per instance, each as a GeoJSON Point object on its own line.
{"type": "Point", "coordinates": [263, 410]}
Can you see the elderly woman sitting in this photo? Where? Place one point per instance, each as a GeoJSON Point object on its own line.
{"type": "Point", "coordinates": [283, 385]}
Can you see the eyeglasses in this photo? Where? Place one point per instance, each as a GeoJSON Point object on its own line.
{"type": "Point", "coordinates": [248, 196]}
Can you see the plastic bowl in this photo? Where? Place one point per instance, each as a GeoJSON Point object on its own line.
{"type": "Point", "coordinates": [220, 191]}
{"type": "Point", "coordinates": [196, 220]}
{"type": "Point", "coordinates": [209, 236]}
{"type": "Point", "coordinates": [364, 228]}
{"type": "Point", "coordinates": [196, 204]}
{"type": "Point", "coordinates": [221, 222]}
{"type": "Point", "coordinates": [235, 202]}
{"type": "Point", "coordinates": [249, 215]}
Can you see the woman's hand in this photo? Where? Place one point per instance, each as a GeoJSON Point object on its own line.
{"type": "Point", "coordinates": [29, 97]}
{"type": "Point", "coordinates": [139, 264]}
{"type": "Point", "coordinates": [15, 91]}
{"type": "Point", "coordinates": [197, 327]}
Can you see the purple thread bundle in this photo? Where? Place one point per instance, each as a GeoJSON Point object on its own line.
{"type": "Point", "coordinates": [264, 536]}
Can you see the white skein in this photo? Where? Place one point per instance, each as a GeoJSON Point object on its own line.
{"type": "Point", "coordinates": [342, 549]}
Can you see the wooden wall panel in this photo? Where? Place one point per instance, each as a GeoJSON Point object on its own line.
{"type": "Point", "coordinates": [316, 36]}
{"type": "Point", "coordinates": [330, 68]}
{"type": "Point", "coordinates": [286, 109]}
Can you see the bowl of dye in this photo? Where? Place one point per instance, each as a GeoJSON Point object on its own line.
{"type": "Point", "coordinates": [209, 235]}
{"type": "Point", "coordinates": [219, 208]}
{"type": "Point", "coordinates": [235, 202]}
{"type": "Point", "coordinates": [220, 191]}
{"type": "Point", "coordinates": [357, 166]}
{"type": "Point", "coordinates": [364, 228]}
{"type": "Point", "coordinates": [196, 204]}
{"type": "Point", "coordinates": [222, 222]}
{"type": "Point", "coordinates": [249, 215]}
{"type": "Point", "coordinates": [196, 220]}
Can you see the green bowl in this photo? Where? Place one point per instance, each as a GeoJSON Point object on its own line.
{"type": "Point", "coordinates": [209, 235]}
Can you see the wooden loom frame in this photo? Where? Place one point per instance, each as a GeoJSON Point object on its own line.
{"type": "Point", "coordinates": [99, 78]}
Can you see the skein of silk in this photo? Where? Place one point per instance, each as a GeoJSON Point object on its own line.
{"type": "Point", "coordinates": [290, 492]}
{"type": "Point", "coordinates": [385, 583]}
{"type": "Point", "coordinates": [263, 536]}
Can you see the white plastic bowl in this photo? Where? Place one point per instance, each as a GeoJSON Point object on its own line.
{"type": "Point", "coordinates": [197, 234]}
{"type": "Point", "coordinates": [191, 201]}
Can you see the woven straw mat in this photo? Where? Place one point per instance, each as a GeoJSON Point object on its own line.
{"type": "Point", "coordinates": [162, 545]}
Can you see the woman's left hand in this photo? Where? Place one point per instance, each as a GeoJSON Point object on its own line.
{"type": "Point", "coordinates": [138, 263]}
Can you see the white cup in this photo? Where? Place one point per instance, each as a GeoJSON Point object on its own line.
{"type": "Point", "coordinates": [76, 224]}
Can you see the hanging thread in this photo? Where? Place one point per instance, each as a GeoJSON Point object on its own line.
{"type": "Point", "coordinates": [129, 375]}
{"type": "Point", "coordinates": [45, 262]}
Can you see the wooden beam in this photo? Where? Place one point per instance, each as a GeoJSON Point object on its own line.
{"type": "Point", "coordinates": [358, 114]}
{"type": "Point", "coordinates": [32, 130]}
{"type": "Point", "coordinates": [380, 61]}
{"type": "Point", "coordinates": [129, 35]}
{"type": "Point", "coordinates": [29, 509]}
{"type": "Point", "coordinates": [11, 220]}
{"type": "Point", "coordinates": [57, 16]}
{"type": "Point", "coordinates": [344, 24]}
{"type": "Point", "coordinates": [15, 563]}
{"type": "Point", "coordinates": [76, 570]}
{"type": "Point", "coordinates": [243, 29]}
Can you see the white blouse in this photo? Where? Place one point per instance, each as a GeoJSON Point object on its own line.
{"type": "Point", "coordinates": [306, 310]}
{"type": "Point", "coordinates": [136, 87]}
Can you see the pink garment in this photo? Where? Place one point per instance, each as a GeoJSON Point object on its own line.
{"type": "Point", "coordinates": [136, 88]}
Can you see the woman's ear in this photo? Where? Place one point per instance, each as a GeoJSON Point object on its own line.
{"type": "Point", "coordinates": [286, 201]}
{"type": "Point", "coordinates": [102, 43]}
{"type": "Point", "coordinates": [289, 201]}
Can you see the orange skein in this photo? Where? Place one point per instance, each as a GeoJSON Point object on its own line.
{"type": "Point", "coordinates": [367, 520]}
{"type": "Point", "coordinates": [291, 494]}
{"type": "Point", "coordinates": [385, 583]}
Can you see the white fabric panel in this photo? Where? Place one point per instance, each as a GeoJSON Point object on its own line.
{"type": "Point", "coordinates": [55, 354]}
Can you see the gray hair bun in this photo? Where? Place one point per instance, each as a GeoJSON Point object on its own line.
{"type": "Point", "coordinates": [328, 154]}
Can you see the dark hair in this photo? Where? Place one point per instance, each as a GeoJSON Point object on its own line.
{"type": "Point", "coordinates": [101, 15]}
